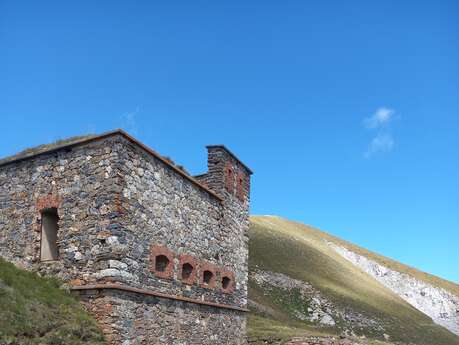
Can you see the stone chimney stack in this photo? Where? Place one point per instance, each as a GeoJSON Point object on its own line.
{"type": "Point", "coordinates": [227, 175]}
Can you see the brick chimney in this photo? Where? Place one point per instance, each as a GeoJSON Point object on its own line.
{"type": "Point", "coordinates": [227, 175]}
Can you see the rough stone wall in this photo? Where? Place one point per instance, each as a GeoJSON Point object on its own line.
{"type": "Point", "coordinates": [161, 209]}
{"type": "Point", "coordinates": [81, 184]}
{"type": "Point", "coordinates": [236, 200]}
{"type": "Point", "coordinates": [118, 208]}
{"type": "Point", "coordinates": [132, 319]}
{"type": "Point", "coordinates": [163, 213]}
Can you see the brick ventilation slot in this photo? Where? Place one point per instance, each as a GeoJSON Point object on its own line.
{"type": "Point", "coordinates": [161, 263]}
{"type": "Point", "coordinates": [208, 276]}
{"type": "Point", "coordinates": [226, 283]}
{"type": "Point", "coordinates": [240, 187]}
{"type": "Point", "coordinates": [229, 178]}
{"type": "Point", "coordinates": [187, 271]}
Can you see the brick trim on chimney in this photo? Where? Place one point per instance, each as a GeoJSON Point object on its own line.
{"type": "Point", "coordinates": [229, 177]}
{"type": "Point", "coordinates": [241, 186]}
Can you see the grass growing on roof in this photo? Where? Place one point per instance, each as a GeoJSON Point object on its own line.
{"type": "Point", "coordinates": [45, 147]}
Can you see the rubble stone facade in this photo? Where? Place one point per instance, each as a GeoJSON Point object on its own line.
{"type": "Point", "coordinates": [158, 256]}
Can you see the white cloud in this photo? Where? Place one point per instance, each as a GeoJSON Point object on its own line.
{"type": "Point", "coordinates": [383, 142]}
{"type": "Point", "coordinates": [381, 117]}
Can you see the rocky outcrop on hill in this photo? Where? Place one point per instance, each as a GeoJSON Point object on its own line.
{"type": "Point", "coordinates": [308, 304]}
{"type": "Point", "coordinates": [439, 304]}
{"type": "Point", "coordinates": [325, 341]}
{"type": "Point", "coordinates": [316, 341]}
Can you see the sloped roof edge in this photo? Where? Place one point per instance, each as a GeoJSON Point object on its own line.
{"type": "Point", "coordinates": [104, 136]}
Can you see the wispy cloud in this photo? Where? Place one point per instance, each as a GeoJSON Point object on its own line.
{"type": "Point", "coordinates": [383, 141]}
{"type": "Point", "coordinates": [381, 117]}
{"type": "Point", "coordinates": [129, 121]}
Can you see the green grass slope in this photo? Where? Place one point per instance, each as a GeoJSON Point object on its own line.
{"type": "Point", "coordinates": [35, 311]}
{"type": "Point", "coordinates": [301, 253]}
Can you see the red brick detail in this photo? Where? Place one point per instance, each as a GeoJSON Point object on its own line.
{"type": "Point", "coordinates": [111, 286]}
{"type": "Point", "coordinates": [37, 227]}
{"type": "Point", "coordinates": [188, 260]}
{"type": "Point", "coordinates": [229, 177]}
{"type": "Point", "coordinates": [203, 275]}
{"type": "Point", "coordinates": [48, 201]}
{"type": "Point", "coordinates": [118, 204]}
{"type": "Point", "coordinates": [227, 278]}
{"type": "Point", "coordinates": [102, 310]}
{"type": "Point", "coordinates": [158, 252]}
{"type": "Point", "coordinates": [241, 186]}
{"type": "Point", "coordinates": [77, 282]}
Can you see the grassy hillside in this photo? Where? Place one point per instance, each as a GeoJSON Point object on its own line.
{"type": "Point", "coordinates": [294, 253]}
{"type": "Point", "coordinates": [34, 311]}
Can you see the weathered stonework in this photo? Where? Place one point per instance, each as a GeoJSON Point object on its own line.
{"type": "Point", "coordinates": [135, 319]}
{"type": "Point", "coordinates": [128, 223]}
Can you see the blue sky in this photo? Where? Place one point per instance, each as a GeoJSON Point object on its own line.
{"type": "Point", "coordinates": [347, 111]}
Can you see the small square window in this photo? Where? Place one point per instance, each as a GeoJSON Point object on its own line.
{"type": "Point", "coordinates": [227, 281]}
{"type": "Point", "coordinates": [188, 269]}
{"type": "Point", "coordinates": [208, 277]}
{"type": "Point", "coordinates": [161, 261]}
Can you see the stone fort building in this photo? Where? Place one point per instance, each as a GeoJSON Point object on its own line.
{"type": "Point", "coordinates": [158, 256]}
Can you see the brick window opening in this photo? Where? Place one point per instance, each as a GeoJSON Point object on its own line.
{"type": "Point", "coordinates": [187, 271]}
{"type": "Point", "coordinates": [161, 263]}
{"type": "Point", "coordinates": [226, 283]}
{"type": "Point", "coordinates": [49, 229]}
{"type": "Point", "coordinates": [207, 277]}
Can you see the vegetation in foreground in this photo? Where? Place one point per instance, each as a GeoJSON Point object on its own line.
{"type": "Point", "coordinates": [34, 310]}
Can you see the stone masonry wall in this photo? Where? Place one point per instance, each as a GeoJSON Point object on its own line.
{"type": "Point", "coordinates": [131, 319]}
{"type": "Point", "coordinates": [162, 213]}
{"type": "Point", "coordinates": [120, 209]}
{"type": "Point", "coordinates": [161, 209]}
{"type": "Point", "coordinates": [81, 184]}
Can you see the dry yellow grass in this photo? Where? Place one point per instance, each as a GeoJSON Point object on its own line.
{"type": "Point", "coordinates": [302, 253]}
